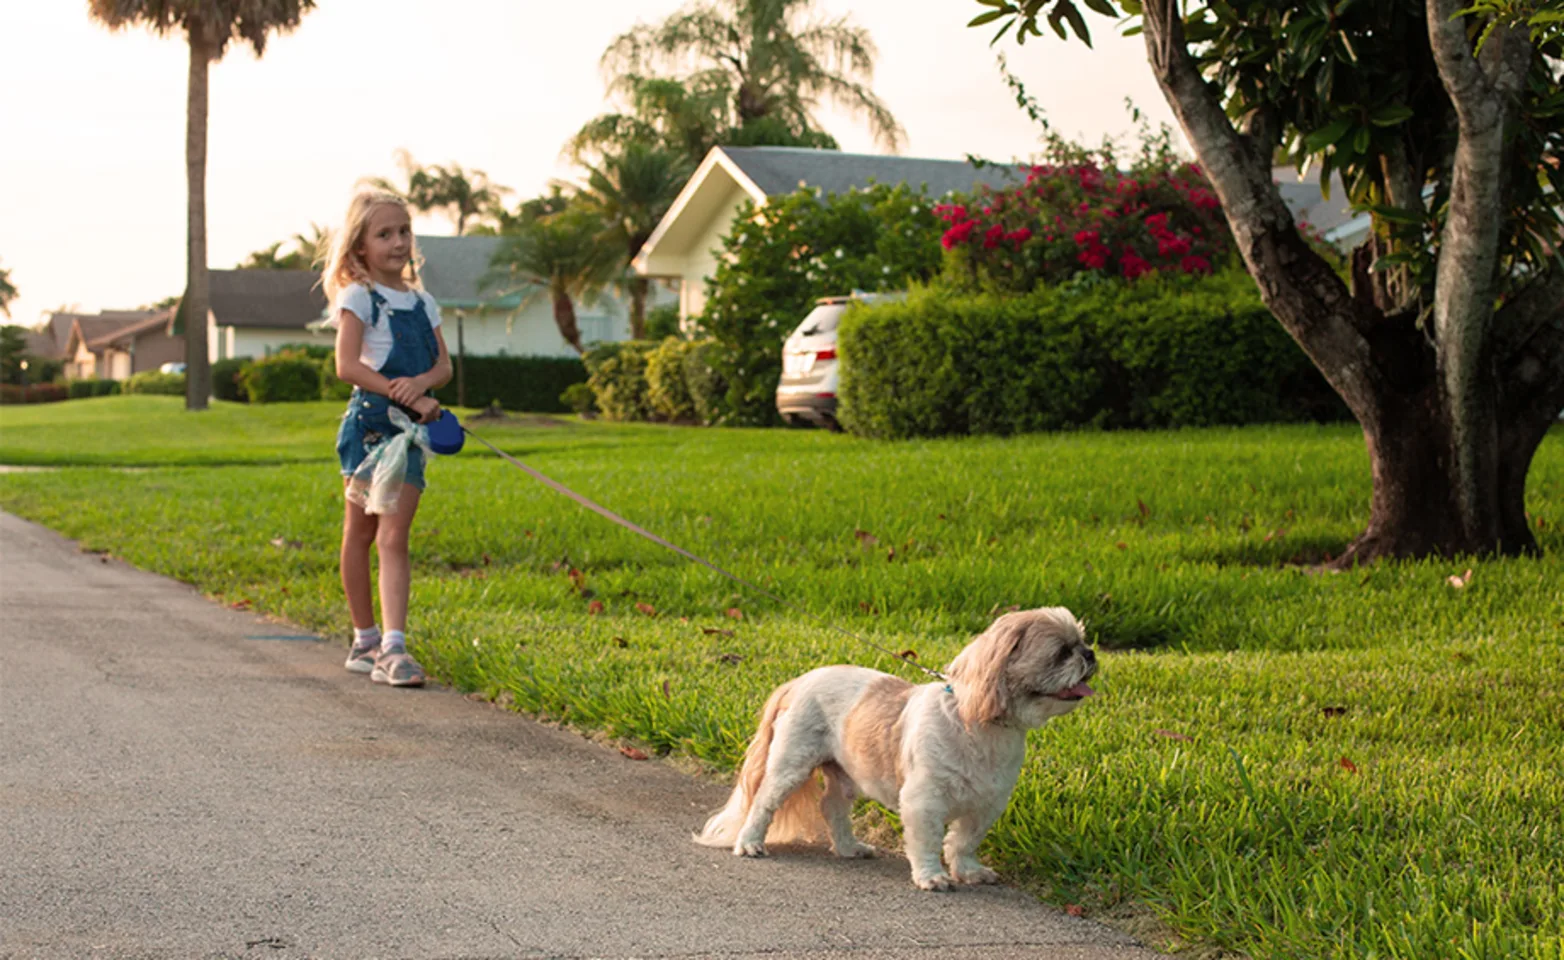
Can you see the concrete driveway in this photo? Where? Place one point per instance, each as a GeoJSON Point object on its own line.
{"type": "Point", "coordinates": [176, 779]}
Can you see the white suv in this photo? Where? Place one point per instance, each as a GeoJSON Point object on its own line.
{"type": "Point", "coordinates": [807, 391]}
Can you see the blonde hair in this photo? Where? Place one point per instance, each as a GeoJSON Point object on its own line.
{"type": "Point", "coordinates": [343, 265]}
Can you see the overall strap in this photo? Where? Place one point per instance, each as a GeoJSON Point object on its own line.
{"type": "Point", "coordinates": [376, 301]}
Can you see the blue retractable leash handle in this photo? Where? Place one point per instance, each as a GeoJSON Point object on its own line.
{"type": "Point", "coordinates": [446, 435]}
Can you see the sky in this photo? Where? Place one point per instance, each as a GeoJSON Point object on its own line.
{"type": "Point", "coordinates": [92, 123]}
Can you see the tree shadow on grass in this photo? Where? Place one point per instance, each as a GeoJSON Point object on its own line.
{"type": "Point", "coordinates": [1274, 552]}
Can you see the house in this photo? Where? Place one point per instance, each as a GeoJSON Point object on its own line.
{"type": "Point", "coordinates": [688, 240]}
{"type": "Point", "coordinates": [1332, 217]}
{"type": "Point", "coordinates": [253, 312]}
{"type": "Point", "coordinates": [117, 343]}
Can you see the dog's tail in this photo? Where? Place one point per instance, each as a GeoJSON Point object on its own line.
{"type": "Point", "coordinates": [798, 820]}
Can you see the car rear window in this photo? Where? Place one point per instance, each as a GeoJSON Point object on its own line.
{"type": "Point", "coordinates": [822, 319]}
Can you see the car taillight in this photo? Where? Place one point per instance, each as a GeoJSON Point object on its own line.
{"type": "Point", "coordinates": [829, 353]}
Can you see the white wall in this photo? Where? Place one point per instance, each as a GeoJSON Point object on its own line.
{"type": "Point", "coordinates": [701, 263]}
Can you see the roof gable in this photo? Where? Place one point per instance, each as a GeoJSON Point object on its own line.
{"type": "Point", "coordinates": [454, 269]}
{"type": "Point", "coordinates": [778, 170]}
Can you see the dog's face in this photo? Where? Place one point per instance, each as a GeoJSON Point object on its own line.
{"type": "Point", "coordinates": [1024, 670]}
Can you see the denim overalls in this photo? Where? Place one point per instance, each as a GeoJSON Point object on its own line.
{"type": "Point", "coordinates": [414, 351]}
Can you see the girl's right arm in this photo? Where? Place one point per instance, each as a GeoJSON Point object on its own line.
{"type": "Point", "coordinates": [350, 369]}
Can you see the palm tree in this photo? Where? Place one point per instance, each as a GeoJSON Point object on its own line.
{"type": "Point", "coordinates": [208, 25]}
{"type": "Point", "coordinates": [675, 114]}
{"type": "Point", "coordinates": [772, 63]}
{"type": "Point", "coordinates": [630, 190]}
{"type": "Point", "coordinates": [7, 291]}
{"type": "Point", "coordinates": [311, 250]}
{"type": "Point", "coordinates": [450, 188]}
{"type": "Point", "coordinates": [562, 256]}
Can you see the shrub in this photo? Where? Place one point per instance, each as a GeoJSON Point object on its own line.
{"type": "Point", "coordinates": [282, 378]}
{"type": "Point", "coordinates": [1161, 352]}
{"type": "Point", "coordinates": [579, 397]}
{"type": "Point", "coordinates": [667, 390]}
{"type": "Point", "coordinates": [616, 373]}
{"type": "Point", "coordinates": [330, 387]}
{"type": "Point", "coordinates": [662, 322]}
{"type": "Point", "coordinates": [226, 382]}
{"type": "Point", "coordinates": [806, 246]}
{"type": "Point", "coordinates": [93, 388]}
{"type": "Point", "coordinates": [153, 382]}
{"type": "Point", "coordinates": [33, 393]}
{"type": "Point", "coordinates": [708, 390]}
{"type": "Point", "coordinates": [528, 383]}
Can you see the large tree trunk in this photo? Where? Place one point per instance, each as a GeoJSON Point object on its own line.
{"type": "Point", "coordinates": [198, 371]}
{"type": "Point", "coordinates": [565, 319]}
{"type": "Point", "coordinates": [1450, 425]}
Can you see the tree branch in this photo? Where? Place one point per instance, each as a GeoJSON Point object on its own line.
{"type": "Point", "coordinates": [1298, 286]}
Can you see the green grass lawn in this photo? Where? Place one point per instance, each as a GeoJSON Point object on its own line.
{"type": "Point", "coordinates": [1284, 762]}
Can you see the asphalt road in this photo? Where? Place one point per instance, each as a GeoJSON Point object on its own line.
{"type": "Point", "coordinates": [172, 784]}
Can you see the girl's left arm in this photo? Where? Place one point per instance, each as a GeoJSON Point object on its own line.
{"type": "Point", "coordinates": [440, 374]}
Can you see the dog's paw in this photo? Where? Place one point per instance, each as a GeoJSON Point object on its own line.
{"type": "Point", "coordinates": [859, 851]}
{"type": "Point", "coordinates": [976, 874]}
{"type": "Point", "coordinates": [753, 848]}
{"type": "Point", "coordinates": [935, 881]}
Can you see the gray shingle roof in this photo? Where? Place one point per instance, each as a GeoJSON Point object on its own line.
{"type": "Point", "coordinates": [454, 268]}
{"type": "Point", "coordinates": [778, 170]}
{"type": "Point", "coordinates": [280, 299]}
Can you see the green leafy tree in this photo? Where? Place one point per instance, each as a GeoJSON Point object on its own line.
{"type": "Point", "coordinates": [630, 189]}
{"type": "Point", "coordinates": [560, 255]}
{"type": "Point", "coordinates": [7, 291]}
{"type": "Point", "coordinates": [768, 61]}
{"type": "Point", "coordinates": [13, 344]}
{"type": "Point", "coordinates": [1447, 340]}
{"type": "Point", "coordinates": [270, 259]}
{"type": "Point", "coordinates": [208, 26]}
{"type": "Point", "coordinates": [799, 248]}
{"type": "Point", "coordinates": [456, 191]}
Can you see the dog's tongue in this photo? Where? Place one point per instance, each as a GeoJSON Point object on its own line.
{"type": "Point", "coordinates": [1079, 690]}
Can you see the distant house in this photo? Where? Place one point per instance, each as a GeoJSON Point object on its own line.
{"type": "Point", "coordinates": [687, 243]}
{"type": "Point", "coordinates": [253, 312]}
{"type": "Point", "coordinates": [1331, 217]}
{"type": "Point", "coordinates": [117, 343]}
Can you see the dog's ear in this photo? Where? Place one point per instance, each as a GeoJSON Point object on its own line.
{"type": "Point", "coordinates": [980, 671]}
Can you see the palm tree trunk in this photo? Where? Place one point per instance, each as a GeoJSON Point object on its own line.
{"type": "Point", "coordinates": [565, 319]}
{"type": "Point", "coordinates": [638, 290]}
{"type": "Point", "coordinates": [198, 372]}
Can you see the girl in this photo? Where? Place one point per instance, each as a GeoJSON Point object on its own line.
{"type": "Point", "coordinates": [389, 346]}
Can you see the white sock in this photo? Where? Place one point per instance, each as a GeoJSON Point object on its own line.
{"type": "Point", "coordinates": [393, 640]}
{"type": "Point", "coordinates": [367, 636]}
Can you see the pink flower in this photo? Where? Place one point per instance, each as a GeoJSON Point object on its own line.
{"type": "Point", "coordinates": [1194, 264]}
{"type": "Point", "coordinates": [1133, 265]}
{"type": "Point", "coordinates": [992, 236]}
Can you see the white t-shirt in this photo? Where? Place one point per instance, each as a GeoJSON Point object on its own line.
{"type": "Point", "coordinates": [377, 338]}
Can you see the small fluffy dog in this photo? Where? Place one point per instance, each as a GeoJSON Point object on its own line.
{"type": "Point", "coordinates": [936, 753]}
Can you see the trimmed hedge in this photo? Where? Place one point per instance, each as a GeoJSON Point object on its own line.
{"type": "Point", "coordinates": [708, 390]}
{"type": "Point", "coordinates": [80, 389]}
{"type": "Point", "coordinates": [154, 382]}
{"type": "Point", "coordinates": [531, 384]}
{"type": "Point", "coordinates": [667, 389]}
{"type": "Point", "coordinates": [616, 372]}
{"type": "Point", "coordinates": [11, 393]}
{"type": "Point", "coordinates": [282, 378]}
{"type": "Point", "coordinates": [1161, 352]}
{"type": "Point", "coordinates": [226, 384]}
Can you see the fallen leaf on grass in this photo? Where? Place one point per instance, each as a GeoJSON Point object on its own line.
{"type": "Point", "coordinates": [646, 608]}
{"type": "Point", "coordinates": [240, 605]}
{"type": "Point", "coordinates": [1145, 511]}
{"type": "Point", "coordinates": [621, 642]}
{"type": "Point", "coordinates": [908, 654]}
{"type": "Point", "coordinates": [890, 554]}
{"type": "Point", "coordinates": [1075, 910]}
{"type": "Point", "coordinates": [282, 543]}
{"type": "Point", "coordinates": [594, 608]}
{"type": "Point", "coordinates": [1348, 765]}
{"type": "Point", "coordinates": [1122, 545]}
{"type": "Point", "coordinates": [1174, 735]}
{"type": "Point", "coordinates": [997, 609]}
{"type": "Point", "coordinates": [735, 613]}
{"type": "Point", "coordinates": [866, 538]}
{"type": "Point", "coordinates": [866, 607]}
{"type": "Point", "coordinates": [1459, 581]}
{"type": "Point", "coordinates": [732, 659]}
{"type": "Point", "coordinates": [1334, 711]}
{"type": "Point", "coordinates": [666, 694]}
{"type": "Point", "coordinates": [708, 631]}
{"type": "Point", "coordinates": [1276, 534]}
{"type": "Point", "coordinates": [633, 753]}
{"type": "Point", "coordinates": [486, 560]}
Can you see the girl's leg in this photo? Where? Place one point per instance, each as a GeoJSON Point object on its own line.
{"type": "Point", "coordinates": [395, 568]}
{"type": "Point", "coordinates": [359, 531]}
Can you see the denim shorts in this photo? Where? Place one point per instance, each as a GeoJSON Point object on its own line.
{"type": "Point", "coordinates": [365, 425]}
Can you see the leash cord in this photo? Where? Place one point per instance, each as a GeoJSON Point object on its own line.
{"type": "Point", "coordinates": [608, 514]}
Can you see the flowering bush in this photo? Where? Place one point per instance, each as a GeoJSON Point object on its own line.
{"type": "Point", "coordinates": [1063, 220]}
